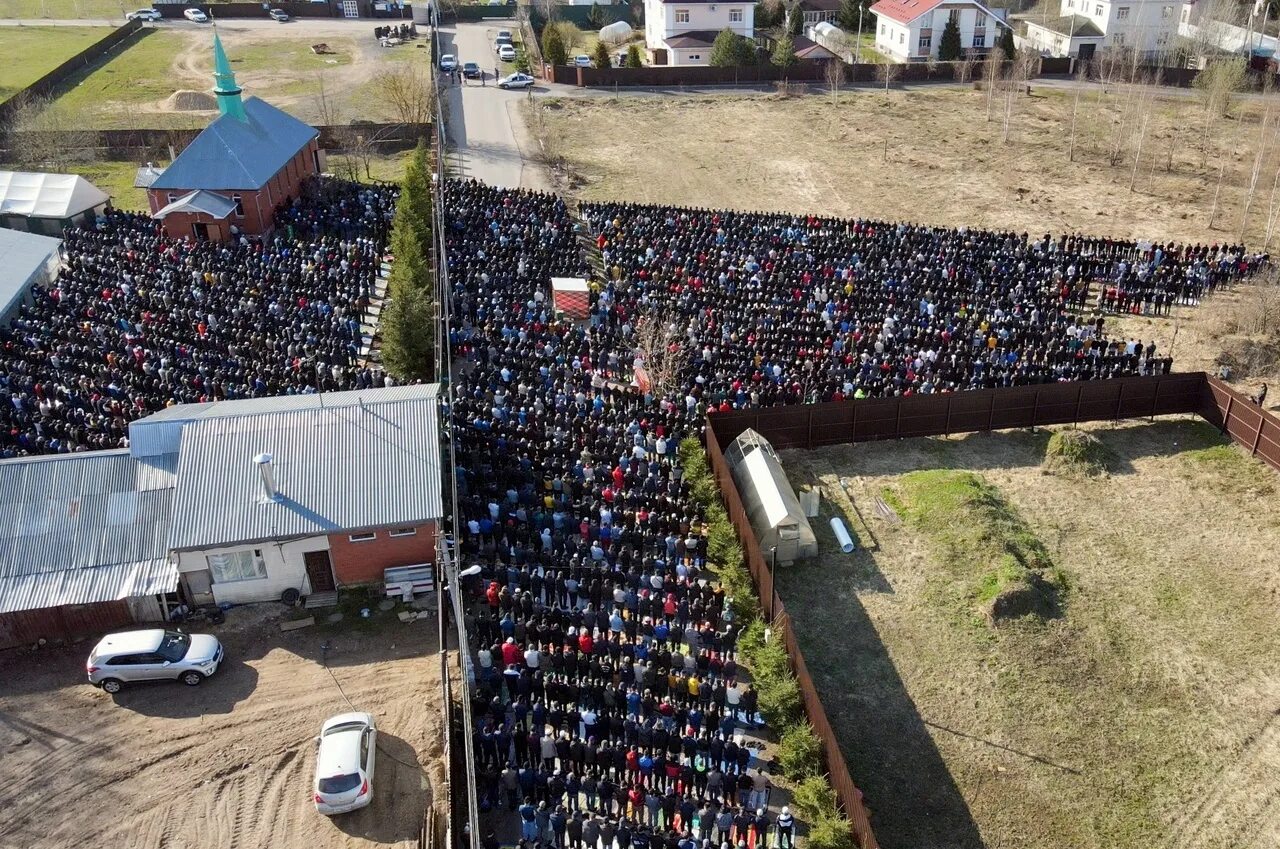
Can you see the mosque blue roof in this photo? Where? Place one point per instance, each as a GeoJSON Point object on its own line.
{"type": "Point", "coordinates": [238, 154]}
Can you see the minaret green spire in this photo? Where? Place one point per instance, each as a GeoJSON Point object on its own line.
{"type": "Point", "coordinates": [226, 89]}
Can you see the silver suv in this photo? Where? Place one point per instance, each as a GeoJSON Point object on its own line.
{"type": "Point", "coordinates": [151, 655]}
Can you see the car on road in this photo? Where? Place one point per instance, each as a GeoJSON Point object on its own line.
{"type": "Point", "coordinates": [582, 60]}
{"type": "Point", "coordinates": [507, 53]}
{"type": "Point", "coordinates": [279, 15]}
{"type": "Point", "coordinates": [516, 80]}
{"type": "Point", "coordinates": [195, 15]}
{"type": "Point", "coordinates": [151, 15]}
{"type": "Point", "coordinates": [471, 70]}
{"type": "Point", "coordinates": [345, 754]}
{"type": "Point", "coordinates": [448, 62]}
{"type": "Point", "coordinates": [154, 654]}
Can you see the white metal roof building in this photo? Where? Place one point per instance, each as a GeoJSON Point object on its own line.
{"type": "Point", "coordinates": [26, 260]}
{"type": "Point", "coordinates": [771, 504]}
{"type": "Point", "coordinates": [340, 461]}
{"type": "Point", "coordinates": [46, 203]}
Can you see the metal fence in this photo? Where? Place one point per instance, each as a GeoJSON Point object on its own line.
{"type": "Point", "coordinates": [842, 422]}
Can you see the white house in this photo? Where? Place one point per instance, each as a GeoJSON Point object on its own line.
{"type": "Point", "coordinates": [911, 30]}
{"type": "Point", "coordinates": [1148, 26]}
{"type": "Point", "coordinates": [686, 30]}
{"type": "Point", "coordinates": [1070, 35]}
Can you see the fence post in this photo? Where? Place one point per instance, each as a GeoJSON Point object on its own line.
{"type": "Point", "coordinates": [1226, 416]}
{"type": "Point", "coordinates": [991, 411]}
{"type": "Point", "coordinates": [1035, 410]}
{"type": "Point", "coordinates": [853, 426]}
{"type": "Point", "coordinates": [1155, 401]}
{"type": "Point", "coordinates": [1257, 434]}
{"type": "Point", "coordinates": [1079, 397]}
{"type": "Point", "coordinates": [897, 426]}
{"type": "Point", "coordinates": [946, 428]}
{"type": "Point", "coordinates": [1119, 402]}
{"type": "Point", "coordinates": [808, 443]}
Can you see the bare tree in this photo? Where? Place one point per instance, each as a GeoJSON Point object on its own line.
{"type": "Point", "coordinates": [659, 352]}
{"type": "Point", "coordinates": [991, 69]}
{"type": "Point", "coordinates": [963, 69]}
{"type": "Point", "coordinates": [327, 111]}
{"type": "Point", "coordinates": [1220, 79]}
{"type": "Point", "coordinates": [833, 73]}
{"type": "Point", "coordinates": [406, 88]}
{"type": "Point", "coordinates": [45, 135]}
{"type": "Point", "coordinates": [1145, 95]}
{"type": "Point", "coordinates": [1259, 156]}
{"type": "Point", "coordinates": [888, 72]}
{"type": "Point", "coordinates": [1075, 109]}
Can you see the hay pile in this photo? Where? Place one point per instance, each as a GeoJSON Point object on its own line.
{"type": "Point", "coordinates": [1074, 453]}
{"type": "Point", "coordinates": [185, 100]}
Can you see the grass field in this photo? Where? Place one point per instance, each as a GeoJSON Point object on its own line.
{"type": "Point", "coordinates": [65, 9]}
{"type": "Point", "coordinates": [1143, 713]}
{"type": "Point", "coordinates": [875, 155]}
{"type": "Point", "coordinates": [31, 52]}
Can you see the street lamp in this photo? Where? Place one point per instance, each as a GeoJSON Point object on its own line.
{"type": "Point", "coordinates": [773, 570]}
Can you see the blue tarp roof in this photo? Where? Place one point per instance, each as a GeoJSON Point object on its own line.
{"type": "Point", "coordinates": [235, 154]}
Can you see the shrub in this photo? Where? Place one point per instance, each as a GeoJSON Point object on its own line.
{"type": "Point", "coordinates": [814, 799]}
{"type": "Point", "coordinates": [600, 58]}
{"type": "Point", "coordinates": [800, 752]}
{"type": "Point", "coordinates": [751, 641]}
{"type": "Point", "coordinates": [832, 831]}
{"type": "Point", "coordinates": [634, 60]}
{"type": "Point", "coordinates": [780, 702]}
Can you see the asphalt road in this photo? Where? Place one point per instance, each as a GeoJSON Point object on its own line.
{"type": "Point", "coordinates": [486, 133]}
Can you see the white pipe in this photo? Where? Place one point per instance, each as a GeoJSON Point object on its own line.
{"type": "Point", "coordinates": [842, 535]}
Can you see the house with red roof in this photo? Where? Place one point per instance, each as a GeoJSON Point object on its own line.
{"type": "Point", "coordinates": [911, 30]}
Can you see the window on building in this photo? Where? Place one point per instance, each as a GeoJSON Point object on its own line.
{"type": "Point", "coordinates": [979, 39]}
{"type": "Point", "coordinates": [882, 29]}
{"type": "Point", "coordinates": [239, 206]}
{"type": "Point", "coordinates": [902, 38]}
{"type": "Point", "coordinates": [735, 16]}
{"type": "Point", "coordinates": [954, 16]}
{"type": "Point", "coordinates": [1097, 10]}
{"type": "Point", "coordinates": [1118, 39]}
{"type": "Point", "coordinates": [980, 21]}
{"type": "Point", "coordinates": [1186, 14]}
{"type": "Point", "coordinates": [695, 57]}
{"type": "Point", "coordinates": [1122, 13]}
{"type": "Point", "coordinates": [1166, 11]}
{"type": "Point", "coordinates": [366, 537]}
{"type": "Point", "coordinates": [1162, 38]}
{"type": "Point", "coordinates": [404, 532]}
{"type": "Point", "coordinates": [246, 565]}
{"type": "Point", "coordinates": [812, 17]}
{"type": "Point", "coordinates": [171, 197]}
{"type": "Point", "coordinates": [926, 40]}
{"type": "Point", "coordinates": [682, 16]}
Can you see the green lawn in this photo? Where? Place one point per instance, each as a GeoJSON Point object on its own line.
{"type": "Point", "coordinates": [116, 179]}
{"type": "Point", "coordinates": [138, 74]}
{"type": "Point", "coordinates": [72, 9]}
{"type": "Point", "coordinates": [31, 52]}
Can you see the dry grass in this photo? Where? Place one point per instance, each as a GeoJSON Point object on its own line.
{"type": "Point", "coordinates": [808, 155]}
{"type": "Point", "coordinates": [1145, 717]}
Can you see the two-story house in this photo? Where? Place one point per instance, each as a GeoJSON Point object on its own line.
{"type": "Point", "coordinates": [911, 30]}
{"type": "Point", "coordinates": [1148, 26]}
{"type": "Point", "coordinates": [681, 33]}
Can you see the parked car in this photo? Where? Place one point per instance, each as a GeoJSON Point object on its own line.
{"type": "Point", "coordinates": [345, 755]}
{"type": "Point", "coordinates": [448, 62]}
{"type": "Point", "coordinates": [152, 655]}
{"type": "Point", "coordinates": [507, 53]}
{"type": "Point", "coordinates": [195, 15]}
{"type": "Point", "coordinates": [516, 80]}
{"type": "Point", "coordinates": [582, 60]}
{"type": "Point", "coordinates": [504, 35]}
{"type": "Point", "coordinates": [151, 15]}
{"type": "Point", "coordinates": [279, 15]}
{"type": "Point", "coordinates": [501, 42]}
{"type": "Point", "coordinates": [471, 70]}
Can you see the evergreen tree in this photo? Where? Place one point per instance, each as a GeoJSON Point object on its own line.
{"type": "Point", "coordinates": [415, 197]}
{"type": "Point", "coordinates": [784, 54]}
{"type": "Point", "coordinates": [595, 17]}
{"type": "Point", "coordinates": [601, 56]}
{"type": "Point", "coordinates": [847, 17]}
{"type": "Point", "coordinates": [553, 49]}
{"type": "Point", "coordinates": [408, 335]}
{"type": "Point", "coordinates": [1006, 42]}
{"type": "Point", "coordinates": [795, 24]}
{"type": "Point", "coordinates": [409, 267]}
{"type": "Point", "coordinates": [767, 16]}
{"type": "Point", "coordinates": [725, 52]}
{"type": "Point", "coordinates": [949, 49]}
{"type": "Point", "coordinates": [634, 59]}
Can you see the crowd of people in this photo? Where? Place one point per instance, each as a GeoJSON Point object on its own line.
{"type": "Point", "coordinates": [609, 709]}
{"type": "Point", "coordinates": [137, 321]}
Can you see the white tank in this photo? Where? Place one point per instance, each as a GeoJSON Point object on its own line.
{"type": "Point", "coordinates": [825, 29]}
{"type": "Point", "coordinates": [615, 32]}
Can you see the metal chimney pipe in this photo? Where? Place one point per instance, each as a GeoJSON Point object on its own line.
{"type": "Point", "coordinates": [268, 476]}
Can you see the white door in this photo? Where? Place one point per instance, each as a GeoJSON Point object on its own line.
{"type": "Point", "coordinates": [350, 9]}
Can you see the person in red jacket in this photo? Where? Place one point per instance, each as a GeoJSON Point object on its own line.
{"type": "Point", "coordinates": [511, 652]}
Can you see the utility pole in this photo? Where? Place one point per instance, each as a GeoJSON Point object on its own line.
{"type": "Point", "coordinates": [857, 47]}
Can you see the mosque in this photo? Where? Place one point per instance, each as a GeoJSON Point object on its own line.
{"type": "Point", "coordinates": [231, 178]}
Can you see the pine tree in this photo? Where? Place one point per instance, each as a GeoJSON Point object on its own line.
{"type": "Point", "coordinates": [848, 15]}
{"type": "Point", "coordinates": [595, 17]}
{"type": "Point", "coordinates": [634, 60]}
{"type": "Point", "coordinates": [949, 48]}
{"type": "Point", "coordinates": [795, 23]}
{"type": "Point", "coordinates": [553, 49]}
{"type": "Point", "coordinates": [725, 52]}
{"type": "Point", "coordinates": [1006, 42]}
{"type": "Point", "coordinates": [784, 54]}
{"type": "Point", "coordinates": [601, 57]}
{"type": "Point", "coordinates": [415, 196]}
{"type": "Point", "coordinates": [409, 268]}
{"type": "Point", "coordinates": [408, 335]}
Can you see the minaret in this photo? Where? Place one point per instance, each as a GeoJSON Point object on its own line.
{"type": "Point", "coordinates": [225, 88]}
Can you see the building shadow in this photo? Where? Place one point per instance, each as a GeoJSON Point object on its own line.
{"type": "Point", "coordinates": [914, 801]}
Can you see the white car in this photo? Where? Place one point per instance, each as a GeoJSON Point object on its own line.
{"type": "Point", "coordinates": [345, 754]}
{"type": "Point", "coordinates": [152, 655]}
{"type": "Point", "coordinates": [151, 15]}
{"type": "Point", "coordinates": [195, 15]}
{"type": "Point", "coordinates": [582, 60]}
{"type": "Point", "coordinates": [448, 62]}
{"type": "Point", "coordinates": [507, 53]}
{"type": "Point", "coordinates": [516, 80]}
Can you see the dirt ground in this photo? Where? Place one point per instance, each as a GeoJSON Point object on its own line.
{"type": "Point", "coordinates": [1146, 717]}
{"type": "Point", "coordinates": [874, 155]}
{"type": "Point", "coordinates": [229, 763]}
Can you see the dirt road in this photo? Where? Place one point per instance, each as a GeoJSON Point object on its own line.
{"type": "Point", "coordinates": [226, 764]}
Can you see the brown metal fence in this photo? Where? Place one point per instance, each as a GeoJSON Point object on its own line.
{"type": "Point", "coordinates": [842, 422]}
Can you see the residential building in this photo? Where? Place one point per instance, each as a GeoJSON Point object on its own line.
{"type": "Point", "coordinates": [230, 179]}
{"type": "Point", "coordinates": [818, 11]}
{"type": "Point", "coordinates": [911, 30]}
{"type": "Point", "coordinates": [232, 501]}
{"type": "Point", "coordinates": [46, 203]}
{"type": "Point", "coordinates": [1148, 26]}
{"type": "Point", "coordinates": [1070, 35]}
{"type": "Point", "coordinates": [681, 33]}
